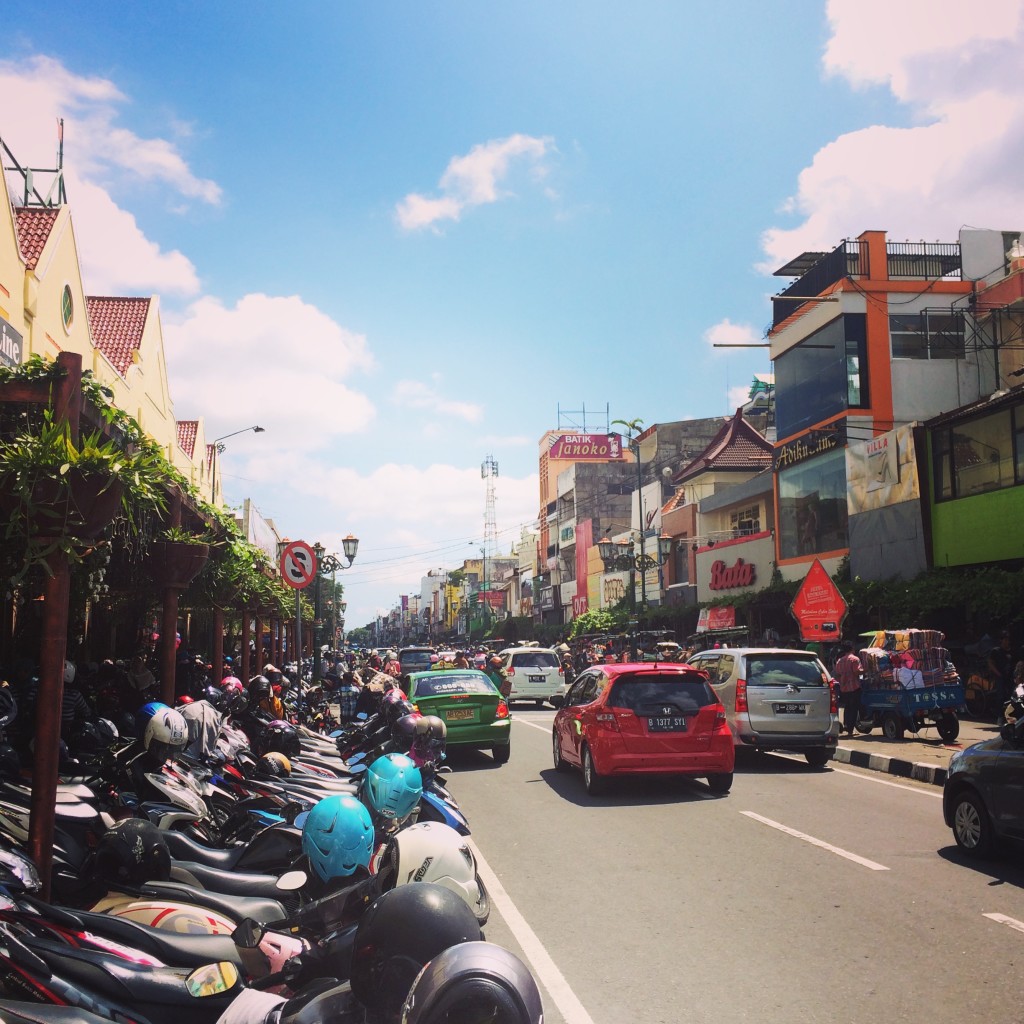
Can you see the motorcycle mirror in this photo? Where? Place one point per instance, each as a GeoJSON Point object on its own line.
{"type": "Point", "coordinates": [248, 934]}
{"type": "Point", "coordinates": [291, 880]}
{"type": "Point", "coordinates": [334, 734]}
{"type": "Point", "coordinates": [212, 979]}
{"type": "Point", "coordinates": [362, 716]}
{"type": "Point", "coordinates": [357, 769]}
{"type": "Point", "coordinates": [355, 759]}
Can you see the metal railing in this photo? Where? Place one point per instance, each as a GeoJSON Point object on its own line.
{"type": "Point", "coordinates": [848, 259]}
{"type": "Point", "coordinates": [928, 260]}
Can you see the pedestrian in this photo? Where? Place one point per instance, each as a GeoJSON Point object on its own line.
{"type": "Point", "coordinates": [567, 670]}
{"type": "Point", "coordinates": [497, 675]}
{"type": "Point", "coordinates": [1000, 671]}
{"type": "Point", "coordinates": [848, 675]}
{"type": "Point", "coordinates": [347, 696]}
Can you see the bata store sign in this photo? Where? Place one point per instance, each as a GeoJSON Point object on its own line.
{"type": "Point", "coordinates": [586, 447]}
{"type": "Point", "coordinates": [734, 566]}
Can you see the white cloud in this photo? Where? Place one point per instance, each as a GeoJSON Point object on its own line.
{"type": "Point", "coordinates": [959, 75]}
{"type": "Point", "coordinates": [725, 332]}
{"type": "Point", "coordinates": [276, 361]}
{"type": "Point", "coordinates": [99, 155]}
{"type": "Point", "coordinates": [414, 394]}
{"type": "Point", "coordinates": [474, 179]}
{"type": "Point", "coordinates": [739, 395]}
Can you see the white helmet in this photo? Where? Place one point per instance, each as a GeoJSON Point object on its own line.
{"type": "Point", "coordinates": [166, 733]}
{"type": "Point", "coordinates": [69, 672]}
{"type": "Point", "coordinates": [392, 656]}
{"type": "Point", "coordinates": [432, 852]}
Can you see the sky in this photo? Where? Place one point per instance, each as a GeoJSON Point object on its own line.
{"type": "Point", "coordinates": [405, 237]}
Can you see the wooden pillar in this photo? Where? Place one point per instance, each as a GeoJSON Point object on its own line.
{"type": "Point", "coordinates": [246, 664]}
{"type": "Point", "coordinates": [261, 659]}
{"type": "Point", "coordinates": [168, 650]}
{"type": "Point", "coordinates": [218, 644]}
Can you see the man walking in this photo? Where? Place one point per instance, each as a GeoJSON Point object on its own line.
{"type": "Point", "coordinates": [848, 675]}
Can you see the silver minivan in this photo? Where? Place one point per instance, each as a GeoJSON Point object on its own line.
{"type": "Point", "coordinates": [775, 699]}
{"type": "Point", "coordinates": [534, 672]}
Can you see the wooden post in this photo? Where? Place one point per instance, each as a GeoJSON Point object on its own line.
{"type": "Point", "coordinates": [169, 622]}
{"type": "Point", "coordinates": [246, 667]}
{"type": "Point", "coordinates": [218, 645]}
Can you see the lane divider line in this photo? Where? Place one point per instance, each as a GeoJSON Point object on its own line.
{"type": "Point", "coordinates": [550, 976]}
{"type": "Point", "coordinates": [533, 725]}
{"type": "Point", "coordinates": [1010, 922]}
{"type": "Point", "coordinates": [838, 851]}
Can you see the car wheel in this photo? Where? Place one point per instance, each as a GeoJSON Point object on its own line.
{"type": "Point", "coordinates": [818, 757]}
{"type": "Point", "coordinates": [596, 784]}
{"type": "Point", "coordinates": [865, 725]}
{"type": "Point", "coordinates": [892, 726]}
{"type": "Point", "coordinates": [501, 753]}
{"type": "Point", "coordinates": [972, 829]}
{"type": "Point", "coordinates": [720, 783]}
{"type": "Point", "coordinates": [539, 703]}
{"type": "Point", "coordinates": [948, 727]}
{"type": "Point", "coordinates": [561, 765]}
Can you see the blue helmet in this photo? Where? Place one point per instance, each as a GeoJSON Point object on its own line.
{"type": "Point", "coordinates": [337, 836]}
{"type": "Point", "coordinates": [393, 785]}
{"type": "Point", "coordinates": [145, 714]}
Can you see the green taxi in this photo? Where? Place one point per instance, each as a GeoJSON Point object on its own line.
{"type": "Point", "coordinates": [469, 705]}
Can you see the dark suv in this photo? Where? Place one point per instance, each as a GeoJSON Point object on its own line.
{"type": "Point", "coordinates": [414, 659]}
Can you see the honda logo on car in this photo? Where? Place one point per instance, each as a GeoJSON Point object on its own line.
{"type": "Point", "coordinates": [740, 574]}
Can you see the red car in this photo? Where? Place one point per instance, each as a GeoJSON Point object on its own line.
{"type": "Point", "coordinates": [642, 719]}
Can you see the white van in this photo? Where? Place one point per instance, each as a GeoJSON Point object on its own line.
{"type": "Point", "coordinates": [534, 672]}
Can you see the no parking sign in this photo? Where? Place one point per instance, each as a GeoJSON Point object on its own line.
{"type": "Point", "coordinates": [298, 564]}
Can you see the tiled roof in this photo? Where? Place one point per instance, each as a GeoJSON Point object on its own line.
{"type": "Point", "coordinates": [737, 445]}
{"type": "Point", "coordinates": [211, 451]}
{"type": "Point", "coordinates": [676, 501]}
{"type": "Point", "coordinates": [116, 325]}
{"type": "Point", "coordinates": [187, 430]}
{"type": "Point", "coordinates": [34, 225]}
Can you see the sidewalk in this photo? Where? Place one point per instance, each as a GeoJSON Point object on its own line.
{"type": "Point", "coordinates": [923, 756]}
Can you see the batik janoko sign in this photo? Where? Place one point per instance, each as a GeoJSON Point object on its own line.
{"type": "Point", "coordinates": [586, 447]}
{"type": "Point", "coordinates": [814, 442]}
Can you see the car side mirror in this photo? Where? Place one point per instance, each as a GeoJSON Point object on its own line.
{"type": "Point", "coordinates": [557, 700]}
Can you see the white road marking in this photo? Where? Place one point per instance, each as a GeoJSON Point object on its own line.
{"type": "Point", "coordinates": [534, 725]}
{"type": "Point", "coordinates": [838, 851]}
{"type": "Point", "coordinates": [1010, 922]}
{"type": "Point", "coordinates": [865, 778]}
{"type": "Point", "coordinates": [550, 976]}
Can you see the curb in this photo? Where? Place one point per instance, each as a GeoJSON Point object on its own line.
{"type": "Point", "coordinates": [930, 773]}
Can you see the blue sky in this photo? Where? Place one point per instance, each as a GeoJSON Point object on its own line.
{"type": "Point", "coordinates": [400, 236]}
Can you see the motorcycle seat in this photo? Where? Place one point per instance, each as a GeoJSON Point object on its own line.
{"type": "Point", "coordinates": [12, 1012]}
{"type": "Point", "coordinates": [235, 883]}
{"type": "Point", "coordinates": [184, 847]}
{"type": "Point", "coordinates": [169, 947]}
{"type": "Point", "coordinates": [236, 907]}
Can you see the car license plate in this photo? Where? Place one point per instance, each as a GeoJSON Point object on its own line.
{"type": "Point", "coordinates": [790, 709]}
{"type": "Point", "coordinates": [459, 714]}
{"type": "Point", "coordinates": [674, 724]}
{"type": "Point", "coordinates": [536, 679]}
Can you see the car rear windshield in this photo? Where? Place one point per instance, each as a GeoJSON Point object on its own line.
{"type": "Point", "coordinates": [414, 658]}
{"type": "Point", "coordinates": [534, 659]}
{"type": "Point", "coordinates": [441, 683]}
{"type": "Point", "coordinates": [783, 670]}
{"type": "Point", "coordinates": [641, 693]}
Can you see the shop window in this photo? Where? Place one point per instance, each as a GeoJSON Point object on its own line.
{"type": "Point", "coordinates": [979, 455]}
{"type": "Point", "coordinates": [812, 506]}
{"type": "Point", "coordinates": [67, 307]}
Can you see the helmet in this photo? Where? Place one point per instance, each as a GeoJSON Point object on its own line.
{"type": "Point", "coordinates": [337, 836]}
{"type": "Point", "coordinates": [145, 713]}
{"type": "Point", "coordinates": [10, 763]}
{"type": "Point", "coordinates": [393, 785]}
{"type": "Point", "coordinates": [133, 852]}
{"type": "Point", "coordinates": [84, 739]}
{"type": "Point", "coordinates": [126, 723]}
{"type": "Point", "coordinates": [396, 709]}
{"type": "Point", "coordinates": [166, 734]}
{"type": "Point", "coordinates": [494, 660]}
{"type": "Point", "coordinates": [431, 852]}
{"type": "Point", "coordinates": [214, 696]}
{"type": "Point", "coordinates": [403, 732]}
{"type": "Point", "coordinates": [400, 932]}
{"type": "Point", "coordinates": [17, 872]}
{"type": "Point", "coordinates": [429, 742]}
{"type": "Point", "coordinates": [474, 981]}
{"type": "Point", "coordinates": [107, 730]}
{"type": "Point", "coordinates": [260, 689]}
{"type": "Point", "coordinates": [234, 695]}
{"type": "Point", "coordinates": [230, 679]}
{"type": "Point", "coordinates": [69, 672]}
{"type": "Point", "coordinates": [281, 736]}
{"type": "Point", "coordinates": [275, 765]}
{"type": "Point", "coordinates": [275, 675]}
{"type": "Point", "coordinates": [392, 656]}
{"type": "Point", "coordinates": [184, 699]}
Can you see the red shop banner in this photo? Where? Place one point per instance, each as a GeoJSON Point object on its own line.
{"type": "Point", "coordinates": [819, 608]}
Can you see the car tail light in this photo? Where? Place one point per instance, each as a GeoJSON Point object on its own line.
{"type": "Point", "coordinates": [561, 671]}
{"type": "Point", "coordinates": [510, 671]}
{"type": "Point", "coordinates": [502, 710]}
{"type": "Point", "coordinates": [607, 720]}
{"type": "Point", "coordinates": [720, 718]}
{"type": "Point", "coordinates": [741, 695]}
{"type": "Point", "coordinates": [833, 700]}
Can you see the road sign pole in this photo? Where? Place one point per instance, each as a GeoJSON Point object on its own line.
{"type": "Point", "coordinates": [298, 639]}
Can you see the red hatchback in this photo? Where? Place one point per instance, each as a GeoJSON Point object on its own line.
{"type": "Point", "coordinates": [642, 719]}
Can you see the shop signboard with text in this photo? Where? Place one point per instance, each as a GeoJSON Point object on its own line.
{"type": "Point", "coordinates": [586, 447]}
{"type": "Point", "coordinates": [734, 566]}
{"type": "Point", "coordinates": [11, 349]}
{"type": "Point", "coordinates": [819, 608]}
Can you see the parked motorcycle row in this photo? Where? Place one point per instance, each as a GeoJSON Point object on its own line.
{"type": "Point", "coordinates": [217, 862]}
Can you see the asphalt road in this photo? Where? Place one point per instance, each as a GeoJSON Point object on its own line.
{"type": "Point", "coordinates": [802, 896]}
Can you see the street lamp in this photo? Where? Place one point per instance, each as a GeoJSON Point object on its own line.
{"type": "Point", "coordinates": [326, 563]}
{"type": "Point", "coordinates": [621, 555]}
{"type": "Point", "coordinates": [218, 446]}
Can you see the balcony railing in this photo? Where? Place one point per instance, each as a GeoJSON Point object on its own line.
{"type": "Point", "coordinates": [848, 259]}
{"type": "Point", "coordinates": [928, 260]}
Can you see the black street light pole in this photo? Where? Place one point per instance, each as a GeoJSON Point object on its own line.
{"type": "Point", "coordinates": [219, 448]}
{"type": "Point", "coordinates": [326, 563]}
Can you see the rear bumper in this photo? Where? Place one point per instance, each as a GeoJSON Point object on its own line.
{"type": "Point", "coordinates": [495, 734]}
{"type": "Point", "coordinates": [718, 758]}
{"type": "Point", "coordinates": [787, 741]}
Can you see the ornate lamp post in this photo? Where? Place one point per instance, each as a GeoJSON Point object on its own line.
{"type": "Point", "coordinates": [327, 564]}
{"type": "Point", "coordinates": [621, 555]}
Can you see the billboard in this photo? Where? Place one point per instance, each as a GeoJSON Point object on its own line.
{"type": "Point", "coordinates": [882, 471]}
{"type": "Point", "coordinates": [586, 447]}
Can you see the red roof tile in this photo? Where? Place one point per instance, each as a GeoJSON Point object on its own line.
{"type": "Point", "coordinates": [116, 325]}
{"type": "Point", "coordinates": [211, 451]}
{"type": "Point", "coordinates": [34, 225]}
{"type": "Point", "coordinates": [737, 445]}
{"type": "Point", "coordinates": [187, 430]}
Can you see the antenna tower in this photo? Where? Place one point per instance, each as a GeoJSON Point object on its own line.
{"type": "Point", "coordinates": [489, 472]}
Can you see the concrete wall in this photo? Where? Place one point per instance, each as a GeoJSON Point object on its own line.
{"type": "Point", "coordinates": [888, 543]}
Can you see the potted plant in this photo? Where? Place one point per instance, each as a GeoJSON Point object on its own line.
{"type": "Point", "coordinates": [177, 557]}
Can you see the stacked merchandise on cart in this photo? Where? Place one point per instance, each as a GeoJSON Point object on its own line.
{"type": "Point", "coordinates": [906, 659]}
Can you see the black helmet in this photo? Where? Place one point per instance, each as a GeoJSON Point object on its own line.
{"type": "Point", "coordinates": [214, 696]}
{"type": "Point", "coordinates": [404, 732]}
{"type": "Point", "coordinates": [107, 730]}
{"type": "Point", "coordinates": [84, 739]}
{"type": "Point", "coordinates": [125, 722]}
{"type": "Point", "coordinates": [10, 763]}
{"type": "Point", "coordinates": [402, 930]}
{"type": "Point", "coordinates": [260, 689]}
{"type": "Point", "coordinates": [281, 736]}
{"type": "Point", "coordinates": [474, 981]}
{"type": "Point", "coordinates": [396, 709]}
{"type": "Point", "coordinates": [133, 852]}
{"type": "Point", "coordinates": [429, 744]}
